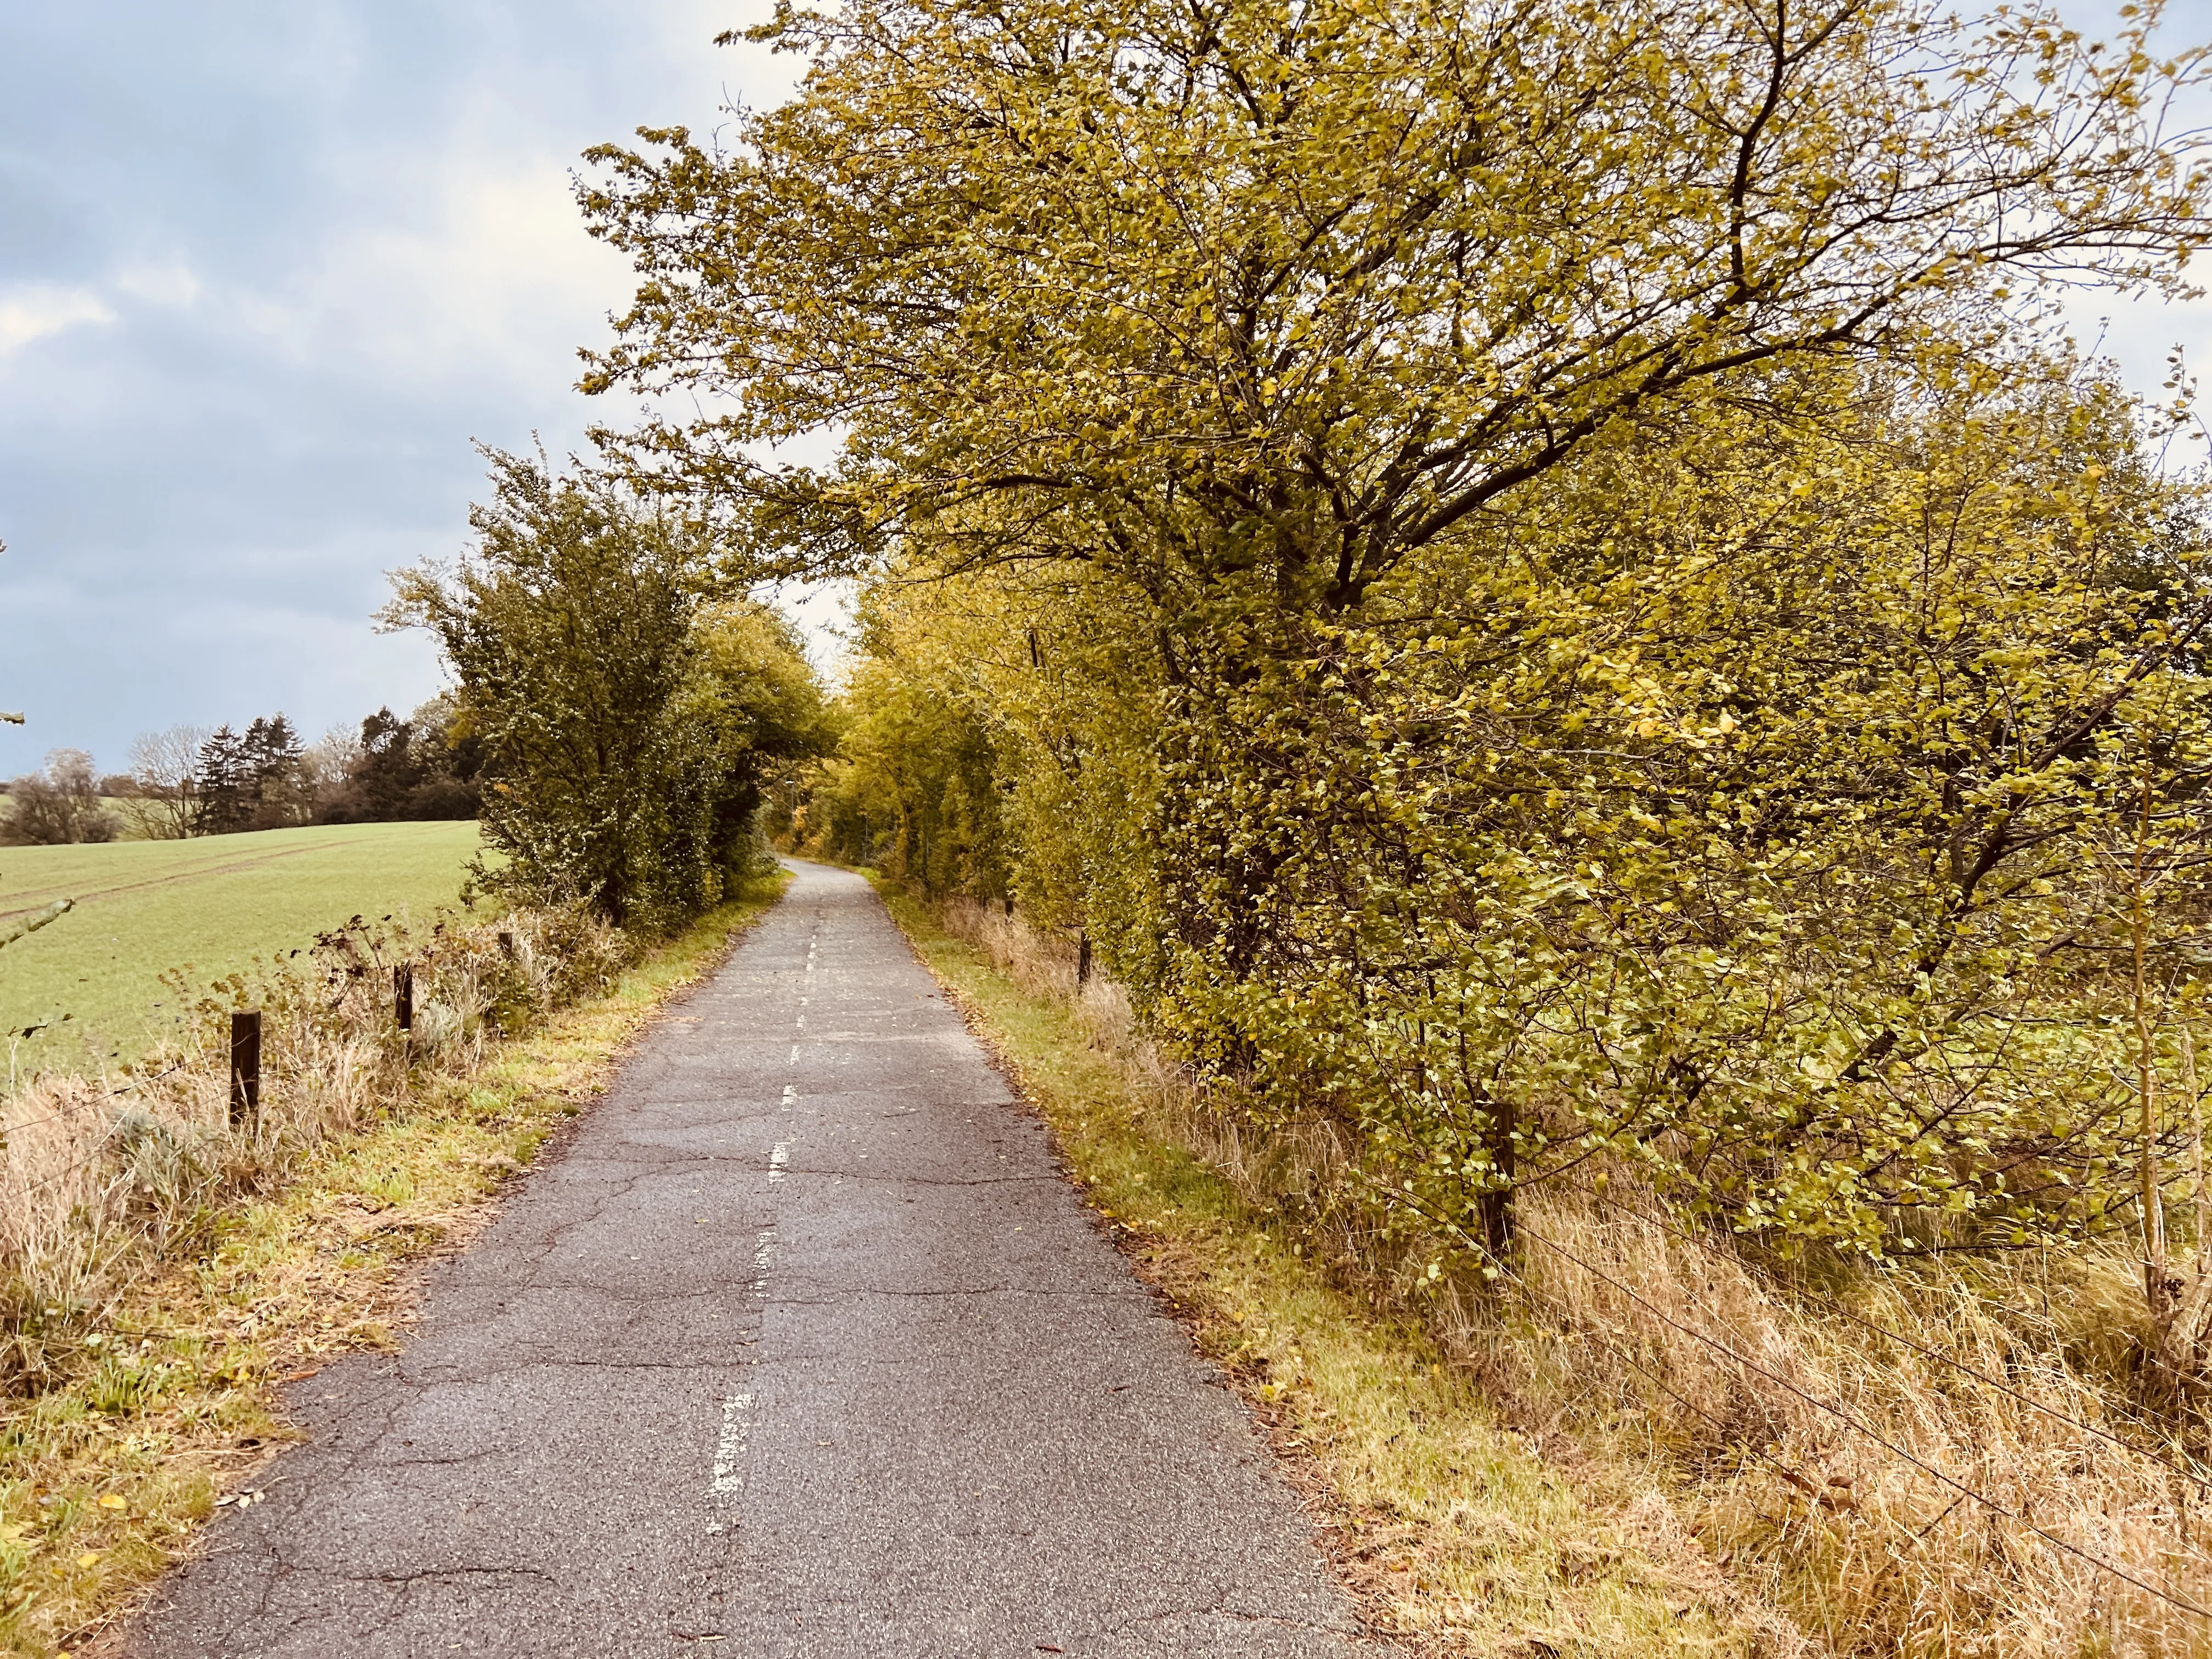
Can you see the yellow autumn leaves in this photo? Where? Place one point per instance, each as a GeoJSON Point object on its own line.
{"type": "Point", "coordinates": [1515, 567]}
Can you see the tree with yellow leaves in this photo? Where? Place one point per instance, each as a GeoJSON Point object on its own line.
{"type": "Point", "coordinates": [1622, 637]}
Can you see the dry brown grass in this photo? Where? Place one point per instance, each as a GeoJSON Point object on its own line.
{"type": "Point", "coordinates": [103, 1174]}
{"type": "Point", "coordinates": [153, 1396]}
{"type": "Point", "coordinates": [1828, 1465]}
{"type": "Point", "coordinates": [1755, 1420]}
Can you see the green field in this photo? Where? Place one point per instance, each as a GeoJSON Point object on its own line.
{"type": "Point", "coordinates": [207, 906]}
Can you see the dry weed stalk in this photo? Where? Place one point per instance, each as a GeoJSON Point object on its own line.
{"type": "Point", "coordinates": [1756, 1398]}
{"type": "Point", "coordinates": [101, 1176]}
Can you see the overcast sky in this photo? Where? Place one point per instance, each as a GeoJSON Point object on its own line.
{"type": "Point", "coordinates": [266, 270]}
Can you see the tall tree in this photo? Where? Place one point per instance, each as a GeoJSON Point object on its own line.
{"type": "Point", "coordinates": [254, 780]}
{"type": "Point", "coordinates": [163, 799]}
{"type": "Point", "coordinates": [274, 763]}
{"type": "Point", "coordinates": [1249, 299]}
{"type": "Point", "coordinates": [624, 719]}
{"type": "Point", "coordinates": [386, 773]}
{"type": "Point", "coordinates": [222, 782]}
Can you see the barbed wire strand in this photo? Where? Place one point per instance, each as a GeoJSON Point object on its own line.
{"type": "Point", "coordinates": [1940, 1358]}
{"type": "Point", "coordinates": [1838, 1412]}
{"type": "Point", "coordinates": [7, 1128]}
{"type": "Point", "coordinates": [62, 1174]}
{"type": "Point", "coordinates": [1845, 1418]}
{"type": "Point", "coordinates": [67, 1170]}
{"type": "Point", "coordinates": [1795, 1477]}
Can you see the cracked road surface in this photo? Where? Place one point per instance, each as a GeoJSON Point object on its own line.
{"type": "Point", "coordinates": [801, 1346]}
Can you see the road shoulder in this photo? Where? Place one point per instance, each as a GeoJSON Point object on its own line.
{"type": "Point", "coordinates": [334, 1264]}
{"type": "Point", "coordinates": [1451, 1533]}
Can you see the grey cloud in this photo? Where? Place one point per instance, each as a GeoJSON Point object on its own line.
{"type": "Point", "coordinates": [316, 249]}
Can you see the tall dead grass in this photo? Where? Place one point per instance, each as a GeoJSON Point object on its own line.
{"type": "Point", "coordinates": [1924, 1461]}
{"type": "Point", "coordinates": [101, 1176]}
{"type": "Point", "coordinates": [1917, 1462]}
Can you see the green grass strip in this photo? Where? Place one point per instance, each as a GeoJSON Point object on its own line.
{"type": "Point", "coordinates": [1453, 1535]}
{"type": "Point", "coordinates": [105, 1482]}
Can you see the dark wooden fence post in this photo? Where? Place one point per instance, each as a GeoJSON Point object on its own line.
{"type": "Point", "coordinates": [244, 1067]}
{"type": "Point", "coordinates": [1082, 958]}
{"type": "Point", "coordinates": [507, 943]}
{"type": "Point", "coordinates": [403, 994]}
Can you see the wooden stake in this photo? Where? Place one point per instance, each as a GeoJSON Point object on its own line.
{"type": "Point", "coordinates": [244, 1067]}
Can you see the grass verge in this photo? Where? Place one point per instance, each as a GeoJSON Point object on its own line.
{"type": "Point", "coordinates": [1455, 1535]}
{"type": "Point", "coordinates": [103, 1480]}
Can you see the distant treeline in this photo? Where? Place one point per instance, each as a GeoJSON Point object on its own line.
{"type": "Point", "coordinates": [189, 780]}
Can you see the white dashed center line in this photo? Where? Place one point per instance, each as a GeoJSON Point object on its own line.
{"type": "Point", "coordinates": [730, 1450]}
{"type": "Point", "coordinates": [776, 1160]}
{"type": "Point", "coordinates": [762, 1244]}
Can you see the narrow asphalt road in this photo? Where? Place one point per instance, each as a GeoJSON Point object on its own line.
{"type": "Point", "coordinates": [802, 1347]}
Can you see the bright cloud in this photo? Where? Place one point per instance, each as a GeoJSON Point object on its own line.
{"type": "Point", "coordinates": [169, 282]}
{"type": "Point", "coordinates": [37, 311]}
